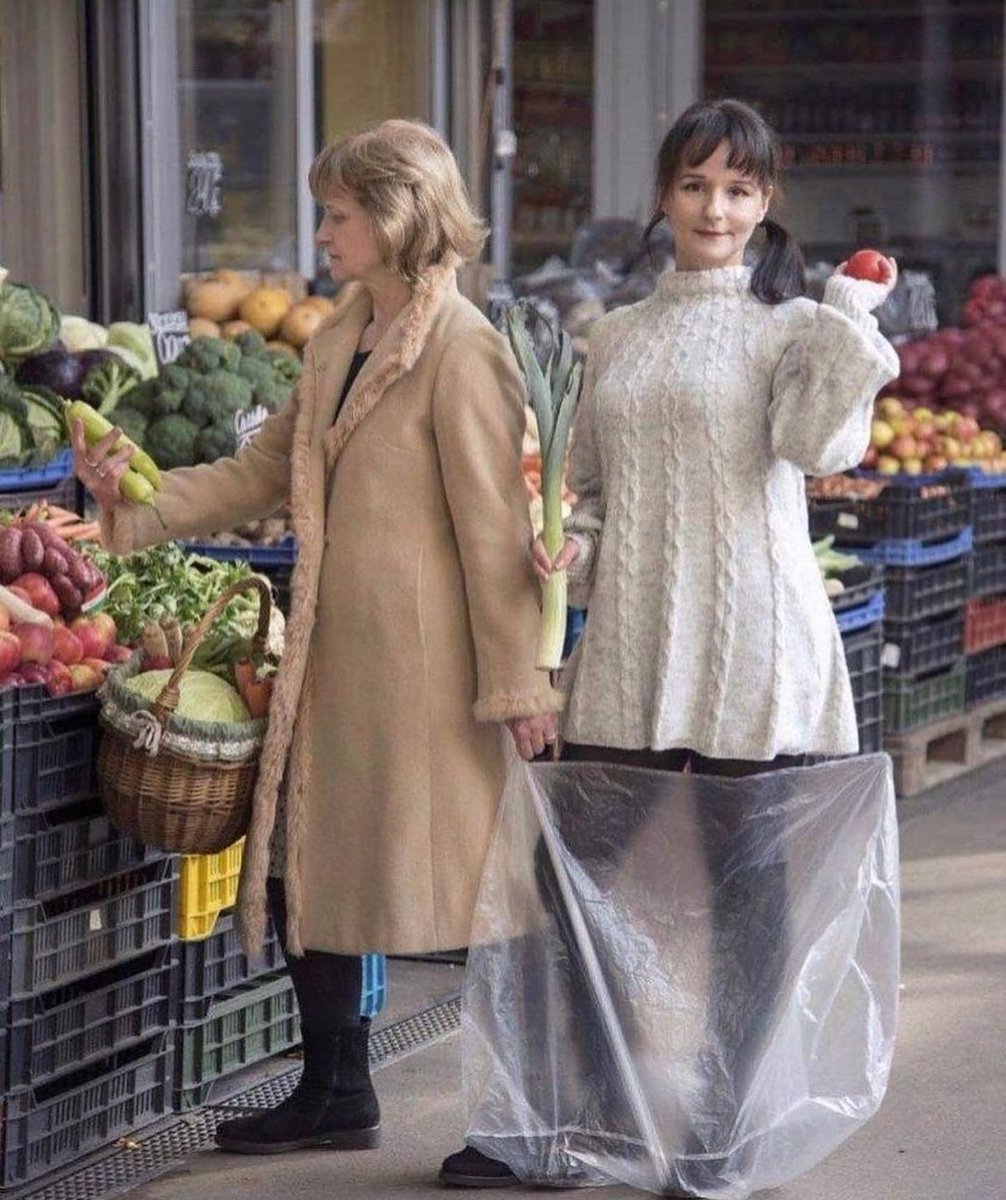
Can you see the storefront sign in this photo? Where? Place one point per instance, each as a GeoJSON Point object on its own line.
{"type": "Point", "coordinates": [248, 423]}
{"type": "Point", "coordinates": [203, 182]}
{"type": "Point", "coordinates": [171, 334]}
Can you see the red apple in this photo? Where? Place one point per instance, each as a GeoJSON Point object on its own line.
{"type": "Point", "coordinates": [40, 592]}
{"type": "Point", "coordinates": [98, 665]}
{"type": "Point", "coordinates": [105, 625]}
{"type": "Point", "coordinates": [967, 428]}
{"type": "Point", "coordinates": [934, 463]}
{"type": "Point", "coordinates": [868, 264]}
{"type": "Point", "coordinates": [10, 651]}
{"type": "Point", "coordinates": [33, 673]}
{"type": "Point", "coordinates": [66, 646]}
{"type": "Point", "coordinates": [60, 680]}
{"type": "Point", "coordinates": [36, 642]}
{"type": "Point", "coordinates": [903, 447]}
{"type": "Point", "coordinates": [92, 641]}
{"type": "Point", "coordinates": [118, 654]}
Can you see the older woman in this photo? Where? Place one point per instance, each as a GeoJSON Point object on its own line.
{"type": "Point", "coordinates": [414, 606]}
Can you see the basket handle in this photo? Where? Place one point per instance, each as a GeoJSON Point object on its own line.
{"type": "Point", "coordinates": [167, 701]}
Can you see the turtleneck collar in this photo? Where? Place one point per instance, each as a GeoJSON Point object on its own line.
{"type": "Point", "coordinates": [718, 281]}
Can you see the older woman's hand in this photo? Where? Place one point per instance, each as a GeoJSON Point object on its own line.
{"type": "Point", "coordinates": [544, 566]}
{"type": "Point", "coordinates": [100, 467]}
{"type": "Point", "coordinates": [532, 734]}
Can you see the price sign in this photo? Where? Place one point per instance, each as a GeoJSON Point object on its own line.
{"type": "Point", "coordinates": [248, 423]}
{"type": "Point", "coordinates": [203, 181]}
{"type": "Point", "coordinates": [171, 334]}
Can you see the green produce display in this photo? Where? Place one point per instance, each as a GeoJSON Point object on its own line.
{"type": "Point", "coordinates": [187, 412]}
{"type": "Point", "coordinates": [31, 425]}
{"type": "Point", "coordinates": [29, 321]}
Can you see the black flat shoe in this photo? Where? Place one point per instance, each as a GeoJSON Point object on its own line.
{"type": "Point", "coordinates": [470, 1168]}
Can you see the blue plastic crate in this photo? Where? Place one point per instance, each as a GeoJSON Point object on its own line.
{"type": "Point", "coordinates": [284, 554]}
{"type": "Point", "coordinates": [863, 616]}
{"type": "Point", "coordinates": [576, 619]}
{"type": "Point", "coordinates": [54, 471]}
{"type": "Point", "coordinates": [375, 984]}
{"type": "Point", "coordinates": [913, 553]}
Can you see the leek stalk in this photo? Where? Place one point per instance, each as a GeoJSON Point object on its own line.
{"type": "Point", "coordinates": [553, 394]}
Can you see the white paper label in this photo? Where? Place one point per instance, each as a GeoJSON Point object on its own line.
{"type": "Point", "coordinates": [890, 656]}
{"type": "Point", "coordinates": [94, 922]}
{"type": "Point", "coordinates": [247, 424]}
{"type": "Point", "coordinates": [847, 521]}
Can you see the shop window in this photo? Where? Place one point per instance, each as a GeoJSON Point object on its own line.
{"type": "Point", "coordinates": [237, 105]}
{"type": "Point", "coordinates": [890, 115]}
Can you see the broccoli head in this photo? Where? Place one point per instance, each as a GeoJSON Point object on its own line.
{"type": "Point", "coordinates": [172, 441]}
{"type": "Point", "coordinates": [161, 395]}
{"type": "Point", "coordinates": [286, 368]}
{"type": "Point", "coordinates": [251, 344]}
{"type": "Point", "coordinates": [217, 441]}
{"type": "Point", "coordinates": [105, 384]}
{"type": "Point", "coordinates": [266, 388]}
{"type": "Point", "coordinates": [132, 423]}
{"type": "Point", "coordinates": [205, 354]}
{"type": "Point", "coordinates": [218, 394]}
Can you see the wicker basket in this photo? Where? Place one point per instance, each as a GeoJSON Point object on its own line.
{"type": "Point", "coordinates": [191, 800]}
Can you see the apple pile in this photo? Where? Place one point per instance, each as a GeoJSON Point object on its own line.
{"type": "Point", "coordinates": [65, 657]}
{"type": "Point", "coordinates": [918, 441]}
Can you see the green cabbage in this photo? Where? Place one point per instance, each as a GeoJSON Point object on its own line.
{"type": "Point", "coordinates": [29, 322]}
{"type": "Point", "coordinates": [201, 697]}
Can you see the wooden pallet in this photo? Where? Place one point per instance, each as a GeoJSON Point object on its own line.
{"type": "Point", "coordinates": [947, 748]}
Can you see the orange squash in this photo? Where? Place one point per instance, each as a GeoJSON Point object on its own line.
{"type": "Point", "coordinates": [264, 309]}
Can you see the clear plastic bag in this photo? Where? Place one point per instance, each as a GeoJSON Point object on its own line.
{"type": "Point", "coordinates": [679, 981]}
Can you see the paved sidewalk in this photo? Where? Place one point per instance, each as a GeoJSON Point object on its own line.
{"type": "Point", "coordinates": [939, 1135]}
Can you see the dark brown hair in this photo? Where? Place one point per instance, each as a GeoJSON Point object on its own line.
{"type": "Point", "coordinates": [754, 151]}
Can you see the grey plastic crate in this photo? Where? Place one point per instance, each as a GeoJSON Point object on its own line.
{"type": "Point", "coordinates": [216, 963]}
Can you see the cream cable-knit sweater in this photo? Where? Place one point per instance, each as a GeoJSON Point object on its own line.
{"type": "Point", "coordinates": [702, 410]}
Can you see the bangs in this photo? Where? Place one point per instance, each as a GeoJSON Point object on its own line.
{"type": "Point", "coordinates": [752, 153]}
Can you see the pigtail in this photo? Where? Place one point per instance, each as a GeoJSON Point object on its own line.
{"type": "Point", "coordinates": [780, 273]}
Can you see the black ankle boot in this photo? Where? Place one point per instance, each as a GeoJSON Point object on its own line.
{"type": "Point", "coordinates": [334, 1104]}
{"type": "Point", "coordinates": [471, 1168]}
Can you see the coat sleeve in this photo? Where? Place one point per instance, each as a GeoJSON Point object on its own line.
{"type": "Point", "coordinates": [826, 381]}
{"type": "Point", "coordinates": [478, 424]}
{"type": "Point", "coordinates": [585, 478]}
{"type": "Point", "coordinates": [195, 501]}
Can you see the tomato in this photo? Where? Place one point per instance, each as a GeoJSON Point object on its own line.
{"type": "Point", "coordinates": [868, 264]}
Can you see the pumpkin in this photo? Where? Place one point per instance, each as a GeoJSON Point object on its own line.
{"type": "Point", "coordinates": [264, 309]}
{"type": "Point", "coordinates": [238, 281]}
{"type": "Point", "coordinates": [301, 323]}
{"type": "Point", "coordinates": [203, 327]}
{"type": "Point", "coordinates": [213, 299]}
{"type": "Point", "coordinates": [233, 329]}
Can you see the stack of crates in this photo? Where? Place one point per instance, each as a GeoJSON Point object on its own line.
{"type": "Point", "coordinates": [86, 961]}
{"type": "Point", "coordinates": [233, 1012]}
{"type": "Point", "coordinates": [985, 613]}
{"type": "Point", "coordinates": [859, 613]}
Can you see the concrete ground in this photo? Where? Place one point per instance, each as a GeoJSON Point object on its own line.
{"type": "Point", "coordinates": [939, 1135]}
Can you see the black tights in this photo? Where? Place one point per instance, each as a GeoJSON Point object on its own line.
{"type": "Point", "coordinates": [328, 986]}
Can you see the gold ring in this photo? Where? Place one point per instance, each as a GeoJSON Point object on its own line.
{"type": "Point", "coordinates": [92, 465]}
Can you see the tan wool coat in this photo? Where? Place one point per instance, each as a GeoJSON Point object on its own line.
{"type": "Point", "coordinates": [412, 627]}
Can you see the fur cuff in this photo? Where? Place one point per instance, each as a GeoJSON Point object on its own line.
{"type": "Point", "coordinates": [508, 706]}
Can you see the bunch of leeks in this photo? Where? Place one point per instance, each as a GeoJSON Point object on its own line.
{"type": "Point", "coordinates": [553, 393]}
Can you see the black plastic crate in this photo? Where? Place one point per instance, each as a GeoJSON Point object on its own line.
{"type": "Point", "coordinates": [8, 709]}
{"type": "Point", "coordinates": [6, 865]}
{"type": "Point", "coordinates": [988, 569]}
{"type": "Point", "coordinates": [862, 657]}
{"type": "Point", "coordinates": [911, 701]}
{"type": "Point", "coordinates": [69, 1027]}
{"type": "Point", "coordinates": [912, 593]}
{"type": "Point", "coordinates": [860, 584]}
{"type": "Point", "coordinates": [243, 1026]}
{"type": "Point", "coordinates": [908, 508]}
{"type": "Point", "coordinates": [56, 941]}
{"type": "Point", "coordinates": [217, 963]}
{"type": "Point", "coordinates": [65, 848]}
{"type": "Point", "coordinates": [55, 748]}
{"type": "Point", "coordinates": [986, 676]}
{"type": "Point", "coordinates": [911, 647]}
{"type": "Point", "coordinates": [53, 1125]}
{"type": "Point", "coordinates": [988, 508]}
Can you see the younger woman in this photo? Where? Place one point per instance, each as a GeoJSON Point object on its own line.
{"type": "Point", "coordinates": [710, 642]}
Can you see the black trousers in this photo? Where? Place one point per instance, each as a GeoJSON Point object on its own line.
{"type": "Point", "coordinates": [749, 939]}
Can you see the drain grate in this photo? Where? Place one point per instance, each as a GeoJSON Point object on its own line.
{"type": "Point", "coordinates": [117, 1170]}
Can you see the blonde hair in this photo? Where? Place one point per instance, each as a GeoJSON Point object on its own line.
{"type": "Point", "coordinates": [404, 174]}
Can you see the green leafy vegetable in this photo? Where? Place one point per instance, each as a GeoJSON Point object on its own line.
{"type": "Point", "coordinates": [202, 696]}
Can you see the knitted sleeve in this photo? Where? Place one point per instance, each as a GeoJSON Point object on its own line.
{"type": "Point", "coordinates": [826, 380]}
{"type": "Point", "coordinates": [585, 478]}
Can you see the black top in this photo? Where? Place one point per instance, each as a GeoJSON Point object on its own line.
{"type": "Point", "coordinates": [359, 358]}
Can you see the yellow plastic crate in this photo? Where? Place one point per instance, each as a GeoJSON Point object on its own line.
{"type": "Point", "coordinates": [208, 884]}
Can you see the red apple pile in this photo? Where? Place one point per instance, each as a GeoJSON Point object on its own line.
{"type": "Point", "coordinates": [986, 301]}
{"type": "Point", "coordinates": [917, 441]}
